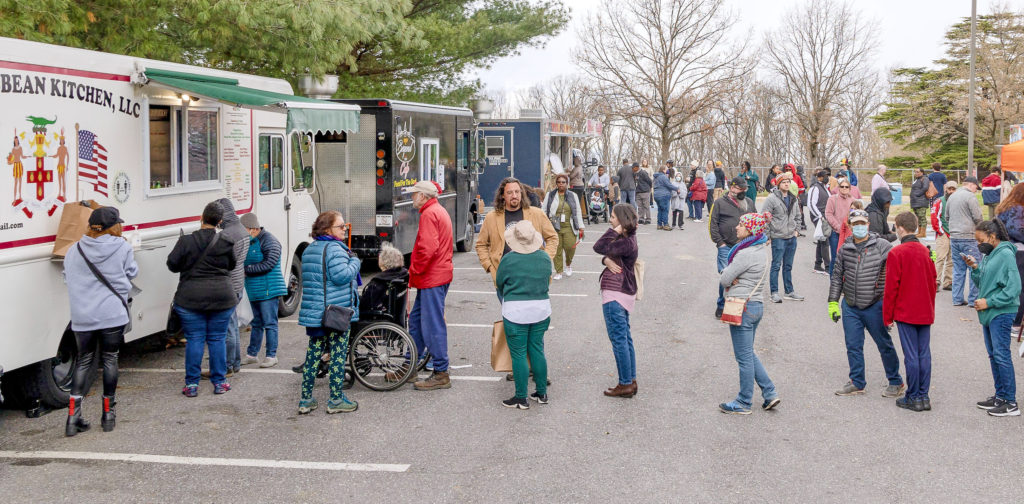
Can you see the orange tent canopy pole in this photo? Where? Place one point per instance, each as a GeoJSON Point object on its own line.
{"type": "Point", "coordinates": [1012, 158]}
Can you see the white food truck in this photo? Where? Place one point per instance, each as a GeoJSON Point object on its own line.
{"type": "Point", "coordinates": [157, 140]}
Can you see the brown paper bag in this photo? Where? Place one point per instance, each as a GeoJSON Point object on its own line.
{"type": "Point", "coordinates": [74, 222]}
{"type": "Point", "coordinates": [501, 359]}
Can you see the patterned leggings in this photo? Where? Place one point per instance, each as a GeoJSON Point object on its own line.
{"type": "Point", "coordinates": [339, 352]}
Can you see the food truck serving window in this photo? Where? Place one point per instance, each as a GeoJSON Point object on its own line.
{"type": "Point", "coordinates": [495, 146]}
{"type": "Point", "coordinates": [271, 163]}
{"type": "Point", "coordinates": [183, 146]}
{"type": "Point", "coordinates": [302, 162]}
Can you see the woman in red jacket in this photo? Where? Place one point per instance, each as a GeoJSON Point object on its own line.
{"type": "Point", "coordinates": [698, 192]}
{"type": "Point", "coordinates": [909, 300]}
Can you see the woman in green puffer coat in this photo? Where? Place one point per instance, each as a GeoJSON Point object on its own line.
{"type": "Point", "coordinates": [264, 284]}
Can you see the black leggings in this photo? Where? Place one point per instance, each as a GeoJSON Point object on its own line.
{"type": "Point", "coordinates": [109, 340]}
{"type": "Point", "coordinates": [678, 215]}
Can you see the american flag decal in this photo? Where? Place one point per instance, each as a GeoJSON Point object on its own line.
{"type": "Point", "coordinates": [92, 161]}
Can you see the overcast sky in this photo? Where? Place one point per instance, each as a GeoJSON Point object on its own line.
{"type": "Point", "coordinates": [910, 34]}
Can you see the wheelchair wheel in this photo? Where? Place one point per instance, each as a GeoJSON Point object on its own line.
{"type": "Point", "coordinates": [380, 356]}
{"type": "Point", "coordinates": [423, 362]}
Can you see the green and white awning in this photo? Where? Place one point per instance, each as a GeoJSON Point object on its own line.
{"type": "Point", "coordinates": [304, 114]}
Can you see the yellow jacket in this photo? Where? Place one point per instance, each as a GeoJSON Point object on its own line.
{"type": "Point", "coordinates": [490, 245]}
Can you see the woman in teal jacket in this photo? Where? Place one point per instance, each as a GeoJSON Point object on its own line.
{"type": "Point", "coordinates": [264, 284]}
{"type": "Point", "coordinates": [334, 286]}
{"type": "Point", "coordinates": [998, 297]}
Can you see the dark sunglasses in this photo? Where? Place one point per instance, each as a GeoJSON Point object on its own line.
{"type": "Point", "coordinates": [844, 187]}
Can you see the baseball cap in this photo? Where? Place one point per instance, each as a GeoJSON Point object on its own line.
{"type": "Point", "coordinates": [424, 186]}
{"type": "Point", "coordinates": [971, 180]}
{"type": "Point", "coordinates": [105, 218]}
{"type": "Point", "coordinates": [739, 182]}
{"type": "Point", "coordinates": [858, 215]}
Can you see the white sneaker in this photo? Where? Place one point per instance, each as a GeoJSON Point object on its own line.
{"type": "Point", "coordinates": [698, 220]}
{"type": "Point", "coordinates": [558, 276]}
{"type": "Point", "coordinates": [269, 362]}
{"type": "Point", "coordinates": [248, 359]}
{"type": "Point", "coordinates": [568, 271]}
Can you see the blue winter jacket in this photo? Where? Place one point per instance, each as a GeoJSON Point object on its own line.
{"type": "Point", "coordinates": [663, 187]}
{"type": "Point", "coordinates": [1013, 219]}
{"type": "Point", "coordinates": [263, 279]}
{"type": "Point", "coordinates": [342, 271]}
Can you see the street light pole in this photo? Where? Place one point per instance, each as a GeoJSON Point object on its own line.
{"type": "Point", "coordinates": [970, 96]}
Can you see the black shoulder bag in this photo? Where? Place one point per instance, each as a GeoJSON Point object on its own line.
{"type": "Point", "coordinates": [105, 282]}
{"type": "Point", "coordinates": [336, 318]}
{"type": "Point", "coordinates": [173, 319]}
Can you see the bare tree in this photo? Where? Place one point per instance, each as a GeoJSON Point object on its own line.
{"type": "Point", "coordinates": [821, 51]}
{"type": "Point", "coordinates": [661, 64]}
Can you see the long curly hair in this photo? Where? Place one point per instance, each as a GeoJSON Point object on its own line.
{"type": "Point", "coordinates": [499, 195]}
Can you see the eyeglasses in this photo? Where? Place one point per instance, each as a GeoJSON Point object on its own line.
{"type": "Point", "coordinates": [844, 187]}
{"type": "Point", "coordinates": [339, 226]}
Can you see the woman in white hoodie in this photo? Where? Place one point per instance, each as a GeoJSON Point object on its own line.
{"type": "Point", "coordinates": [98, 272]}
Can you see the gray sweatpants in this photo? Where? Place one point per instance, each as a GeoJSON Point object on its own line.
{"type": "Point", "coordinates": [643, 204]}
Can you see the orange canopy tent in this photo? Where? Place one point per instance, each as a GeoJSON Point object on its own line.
{"type": "Point", "coordinates": [1012, 158]}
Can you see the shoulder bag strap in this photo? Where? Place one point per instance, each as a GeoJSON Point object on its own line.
{"type": "Point", "coordinates": [767, 264]}
{"type": "Point", "coordinates": [103, 279]}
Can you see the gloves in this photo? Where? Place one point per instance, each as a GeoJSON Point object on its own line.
{"type": "Point", "coordinates": [935, 257]}
{"type": "Point", "coordinates": [833, 310]}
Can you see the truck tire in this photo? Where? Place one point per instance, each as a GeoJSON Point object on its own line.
{"type": "Point", "coordinates": [48, 380]}
{"type": "Point", "coordinates": [467, 244]}
{"type": "Point", "coordinates": [290, 302]}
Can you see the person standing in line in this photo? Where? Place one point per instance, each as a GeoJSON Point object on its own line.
{"type": "Point", "coordinates": [679, 200]}
{"type": "Point", "coordinates": [689, 181]}
{"type": "Point", "coordinates": [720, 179]}
{"type": "Point", "coordinates": [234, 232]}
{"type": "Point", "coordinates": [264, 283]}
{"type": "Point", "coordinates": [848, 173]}
{"type": "Point", "coordinates": [963, 214]}
{"type": "Point", "coordinates": [837, 209]}
{"type": "Point", "coordinates": [431, 273]}
{"type": "Point", "coordinates": [878, 180]}
{"type": "Point", "coordinates": [798, 179]}
{"type": "Point", "coordinates": [576, 182]}
{"type": "Point", "coordinates": [744, 278]}
{"type": "Point", "coordinates": [998, 299]}
{"type": "Point", "coordinates": [1011, 213]}
{"type": "Point", "coordinates": [522, 280]}
{"type": "Point", "coordinates": [98, 271]}
{"type": "Point", "coordinates": [942, 250]}
{"type": "Point", "coordinates": [817, 202]}
{"type": "Point", "coordinates": [329, 273]}
{"type": "Point", "coordinates": [992, 191]}
{"type": "Point", "coordinates": [752, 179]}
{"type": "Point", "coordinates": [699, 194]}
{"type": "Point", "coordinates": [859, 278]}
{"type": "Point", "coordinates": [770, 179]}
{"type": "Point", "coordinates": [205, 297]}
{"type": "Point", "coordinates": [722, 221]}
{"type": "Point", "coordinates": [618, 294]}
{"type": "Point", "coordinates": [663, 190]}
{"type": "Point", "coordinates": [938, 179]}
{"type": "Point", "coordinates": [878, 213]}
{"type": "Point", "coordinates": [919, 200]}
{"type": "Point", "coordinates": [644, 186]}
{"type": "Point", "coordinates": [711, 181]}
{"type": "Point", "coordinates": [909, 300]}
{"type": "Point", "coordinates": [627, 182]}
{"type": "Point", "coordinates": [603, 182]}
{"type": "Point", "coordinates": [783, 208]}
{"type": "Point", "coordinates": [563, 209]}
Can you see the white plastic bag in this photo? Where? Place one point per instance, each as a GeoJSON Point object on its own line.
{"type": "Point", "coordinates": [244, 310]}
{"type": "Point", "coordinates": [819, 235]}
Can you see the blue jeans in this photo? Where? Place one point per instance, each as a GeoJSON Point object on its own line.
{"type": "Point", "coordinates": [628, 196]}
{"type": "Point", "coordinates": [783, 252]}
{"type": "Point", "coordinates": [751, 369]}
{"type": "Point", "coordinates": [997, 343]}
{"type": "Point", "coordinates": [690, 205]}
{"type": "Point", "coordinates": [264, 320]}
{"type": "Point", "coordinates": [833, 244]}
{"type": "Point", "coordinates": [616, 320]}
{"type": "Point", "coordinates": [970, 247]}
{"type": "Point", "coordinates": [723, 261]}
{"type": "Point", "coordinates": [855, 322]}
{"type": "Point", "coordinates": [232, 343]}
{"type": "Point", "coordinates": [427, 326]}
{"type": "Point", "coordinates": [917, 358]}
{"type": "Point", "coordinates": [663, 203]}
{"type": "Point", "coordinates": [696, 209]}
{"type": "Point", "coordinates": [207, 328]}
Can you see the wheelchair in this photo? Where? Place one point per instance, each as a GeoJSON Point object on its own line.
{"type": "Point", "coordinates": [381, 350]}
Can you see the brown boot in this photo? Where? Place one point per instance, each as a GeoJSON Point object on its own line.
{"type": "Point", "coordinates": [437, 380]}
{"type": "Point", "coordinates": [624, 391]}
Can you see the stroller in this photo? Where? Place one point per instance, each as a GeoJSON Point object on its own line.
{"type": "Point", "coordinates": [597, 204]}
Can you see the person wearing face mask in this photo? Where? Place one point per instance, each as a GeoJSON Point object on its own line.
{"type": "Point", "coordinates": [859, 278]}
{"type": "Point", "coordinates": [678, 203]}
{"type": "Point", "coordinates": [722, 221]}
{"type": "Point", "coordinates": [998, 298]}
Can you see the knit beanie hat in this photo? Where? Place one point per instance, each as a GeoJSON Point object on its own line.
{"type": "Point", "coordinates": [756, 223]}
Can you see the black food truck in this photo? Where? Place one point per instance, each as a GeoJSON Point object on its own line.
{"type": "Point", "coordinates": [398, 144]}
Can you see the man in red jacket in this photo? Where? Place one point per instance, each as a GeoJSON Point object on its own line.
{"type": "Point", "coordinates": [430, 273]}
{"type": "Point", "coordinates": [909, 300]}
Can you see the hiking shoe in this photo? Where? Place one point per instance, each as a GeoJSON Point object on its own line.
{"type": "Point", "coordinates": [849, 389]}
{"type": "Point", "coordinates": [770, 404]}
{"type": "Point", "coordinates": [894, 390]}
{"type": "Point", "coordinates": [990, 403]}
{"type": "Point", "coordinates": [437, 380]}
{"type": "Point", "coordinates": [541, 399]}
{"type": "Point", "coordinates": [269, 362]}
{"type": "Point", "coordinates": [718, 313]}
{"type": "Point", "coordinates": [249, 359]}
{"type": "Point", "coordinates": [1007, 408]}
{"type": "Point", "coordinates": [343, 405]}
{"type": "Point", "coordinates": [568, 271]}
{"type": "Point", "coordinates": [926, 404]}
{"type": "Point", "coordinates": [793, 296]}
{"type": "Point", "coordinates": [307, 405]}
{"type": "Point", "coordinates": [221, 388]}
{"type": "Point", "coordinates": [190, 390]}
{"type": "Point", "coordinates": [733, 409]}
{"type": "Point", "coordinates": [776, 298]}
{"type": "Point", "coordinates": [515, 402]}
{"type": "Point", "coordinates": [908, 403]}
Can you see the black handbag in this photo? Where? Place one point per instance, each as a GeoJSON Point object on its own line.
{"type": "Point", "coordinates": [336, 318]}
{"type": "Point", "coordinates": [173, 319]}
{"type": "Point", "coordinates": [99, 276]}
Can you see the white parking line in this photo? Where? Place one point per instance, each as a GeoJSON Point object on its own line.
{"type": "Point", "coordinates": [204, 461]}
{"type": "Point", "coordinates": [483, 326]}
{"type": "Point", "coordinates": [492, 293]}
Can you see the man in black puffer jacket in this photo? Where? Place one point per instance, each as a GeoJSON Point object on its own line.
{"type": "Point", "coordinates": [878, 214]}
{"type": "Point", "coordinates": [859, 276]}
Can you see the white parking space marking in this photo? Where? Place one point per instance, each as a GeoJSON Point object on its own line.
{"type": "Point", "coordinates": [204, 461]}
{"type": "Point", "coordinates": [491, 293]}
{"type": "Point", "coordinates": [484, 326]}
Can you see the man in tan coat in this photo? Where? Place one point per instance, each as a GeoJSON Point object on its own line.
{"type": "Point", "coordinates": [510, 206]}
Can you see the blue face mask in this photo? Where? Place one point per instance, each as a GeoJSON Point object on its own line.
{"type": "Point", "coordinates": [860, 231]}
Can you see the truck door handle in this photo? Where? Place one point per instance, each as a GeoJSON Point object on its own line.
{"type": "Point", "coordinates": [287, 204]}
